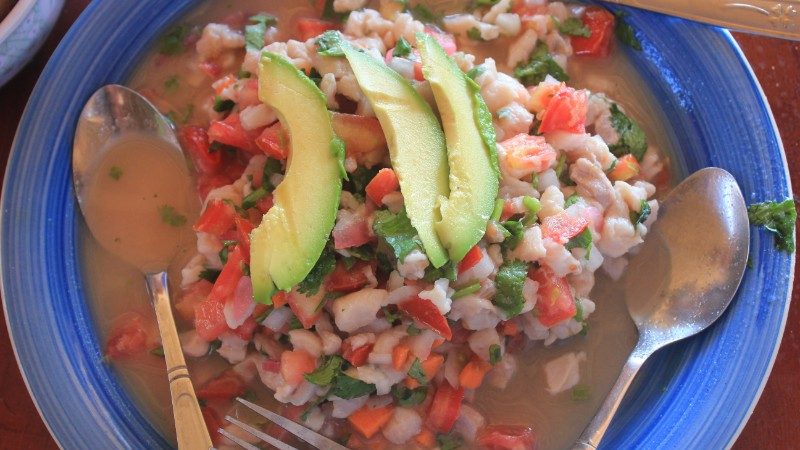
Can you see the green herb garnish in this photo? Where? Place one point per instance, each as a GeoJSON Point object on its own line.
{"type": "Point", "coordinates": [223, 105]}
{"type": "Point", "coordinates": [210, 275]}
{"type": "Point", "coordinates": [416, 372]}
{"type": "Point", "coordinates": [324, 266]}
{"type": "Point", "coordinates": [572, 27]}
{"type": "Point", "coordinates": [625, 33]}
{"type": "Point", "coordinates": [170, 216]}
{"type": "Point", "coordinates": [326, 372]}
{"type": "Point", "coordinates": [425, 15]}
{"type": "Point", "coordinates": [402, 48]}
{"type": "Point", "coordinates": [516, 230]}
{"type": "Point", "coordinates": [509, 282]}
{"type": "Point", "coordinates": [539, 65]}
{"type": "Point", "coordinates": [409, 397]}
{"type": "Point", "coordinates": [582, 240]}
{"type": "Point", "coordinates": [641, 216]}
{"type": "Point", "coordinates": [330, 44]}
{"type": "Point", "coordinates": [466, 290]}
{"type": "Point", "coordinates": [171, 84]}
{"type": "Point", "coordinates": [347, 387]}
{"type": "Point", "coordinates": [475, 34]}
{"type": "Point", "coordinates": [396, 230]}
{"type": "Point", "coordinates": [413, 330]}
{"type": "Point", "coordinates": [631, 137]}
{"type": "Point", "coordinates": [580, 393]}
{"type": "Point", "coordinates": [158, 351]}
{"type": "Point", "coordinates": [449, 441]}
{"type": "Point", "coordinates": [495, 354]}
{"type": "Point", "coordinates": [777, 217]}
{"type": "Point", "coordinates": [172, 42]}
{"type": "Point", "coordinates": [115, 172]}
{"type": "Point", "coordinates": [250, 200]}
{"type": "Point", "coordinates": [255, 32]}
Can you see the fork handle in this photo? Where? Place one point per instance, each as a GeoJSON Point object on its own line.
{"type": "Point", "coordinates": [190, 427]}
{"type": "Point", "coordinates": [765, 17]}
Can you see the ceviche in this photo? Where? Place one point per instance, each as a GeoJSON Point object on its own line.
{"type": "Point", "coordinates": [396, 200]}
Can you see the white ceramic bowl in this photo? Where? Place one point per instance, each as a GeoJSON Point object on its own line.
{"type": "Point", "coordinates": [23, 31]}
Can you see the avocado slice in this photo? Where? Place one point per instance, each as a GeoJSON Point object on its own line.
{"type": "Point", "coordinates": [471, 150]}
{"type": "Point", "coordinates": [294, 232]}
{"type": "Point", "coordinates": [415, 140]}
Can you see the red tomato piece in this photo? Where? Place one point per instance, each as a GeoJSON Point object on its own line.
{"type": "Point", "coordinates": [207, 182]}
{"type": "Point", "coordinates": [228, 279]}
{"type": "Point", "coordinates": [305, 308]}
{"type": "Point", "coordinates": [209, 319]}
{"type": "Point", "coordinates": [384, 183]}
{"type": "Point", "coordinates": [128, 339]}
{"type": "Point", "coordinates": [446, 40]}
{"type": "Point", "coordinates": [356, 356]}
{"type": "Point", "coordinates": [213, 423]}
{"type": "Point", "coordinates": [531, 153]}
{"type": "Point", "coordinates": [600, 23]}
{"type": "Point", "coordinates": [309, 28]}
{"type": "Point", "coordinates": [193, 295]}
{"type": "Point", "coordinates": [195, 141]}
{"type": "Point", "coordinates": [555, 302]}
{"type": "Point", "coordinates": [445, 407]}
{"type": "Point", "coordinates": [225, 386]}
{"type": "Point", "coordinates": [217, 218]}
{"type": "Point", "coordinates": [344, 280]}
{"type": "Point", "coordinates": [507, 437]}
{"type": "Point", "coordinates": [471, 259]}
{"type": "Point", "coordinates": [265, 204]}
{"type": "Point", "coordinates": [563, 226]}
{"type": "Point", "coordinates": [274, 141]}
{"type": "Point", "coordinates": [566, 111]}
{"type": "Point", "coordinates": [243, 229]}
{"type": "Point", "coordinates": [627, 167]}
{"type": "Point", "coordinates": [295, 364]}
{"type": "Point", "coordinates": [211, 69]}
{"type": "Point", "coordinates": [230, 132]}
{"type": "Point", "coordinates": [247, 329]}
{"type": "Point", "coordinates": [351, 231]}
{"type": "Point", "coordinates": [426, 313]}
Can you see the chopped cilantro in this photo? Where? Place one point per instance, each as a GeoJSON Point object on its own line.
{"type": "Point", "coordinates": [535, 180]}
{"type": "Point", "coordinates": [479, 3]}
{"type": "Point", "coordinates": [115, 172]}
{"type": "Point", "coordinates": [226, 247]}
{"type": "Point", "coordinates": [561, 165]}
{"type": "Point", "coordinates": [311, 405]}
{"type": "Point", "coordinates": [255, 32]}
{"type": "Point", "coordinates": [213, 346]}
{"type": "Point", "coordinates": [572, 27]}
{"type": "Point", "coordinates": [328, 12]}
{"type": "Point", "coordinates": [390, 316]}
{"type": "Point", "coordinates": [495, 354]}
{"type": "Point", "coordinates": [223, 105]}
{"type": "Point", "coordinates": [242, 74]}
{"type": "Point", "coordinates": [181, 115]}
{"type": "Point", "coordinates": [358, 180]}
{"type": "Point", "coordinates": [777, 217]}
{"type": "Point", "coordinates": [625, 33]}
{"type": "Point", "coordinates": [416, 372]}
{"type": "Point", "coordinates": [315, 76]}
{"type": "Point", "coordinates": [402, 48]}
{"type": "Point", "coordinates": [449, 441]}
{"type": "Point", "coordinates": [337, 149]}
{"type": "Point", "coordinates": [172, 84]}
{"type": "Point", "coordinates": [158, 351]}
{"type": "Point", "coordinates": [409, 397]}
{"type": "Point", "coordinates": [475, 34]}
{"type": "Point", "coordinates": [325, 265]}
{"type": "Point", "coordinates": [448, 270]}
{"type": "Point", "coordinates": [631, 137]}
{"type": "Point", "coordinates": [326, 372]}
{"type": "Point", "coordinates": [252, 199]}
{"type": "Point", "coordinates": [476, 71]}
{"type": "Point", "coordinates": [210, 275]}
{"type": "Point", "coordinates": [580, 393]}
{"type": "Point", "coordinates": [170, 216]}
{"type": "Point", "coordinates": [413, 330]}
{"type": "Point", "coordinates": [579, 314]}
{"type": "Point", "coordinates": [295, 324]}
{"type": "Point", "coordinates": [330, 44]}
{"type": "Point", "coordinates": [364, 253]}
{"type": "Point", "coordinates": [509, 281]}
{"type": "Point", "coordinates": [466, 290]}
{"type": "Point", "coordinates": [515, 230]}
{"type": "Point", "coordinates": [271, 167]}
{"type": "Point", "coordinates": [582, 240]}
{"type": "Point", "coordinates": [539, 65]}
{"type": "Point", "coordinates": [396, 230]}
{"type": "Point", "coordinates": [172, 42]}
{"type": "Point", "coordinates": [347, 387]}
{"type": "Point", "coordinates": [642, 215]}
{"type": "Point", "coordinates": [571, 200]}
{"type": "Point", "coordinates": [425, 15]}
{"type": "Point", "coordinates": [533, 206]}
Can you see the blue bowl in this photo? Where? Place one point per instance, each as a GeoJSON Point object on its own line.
{"type": "Point", "coordinates": [697, 394]}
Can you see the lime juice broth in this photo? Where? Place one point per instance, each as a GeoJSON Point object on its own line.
{"type": "Point", "coordinates": [116, 288]}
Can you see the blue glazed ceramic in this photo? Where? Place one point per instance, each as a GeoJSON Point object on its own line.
{"type": "Point", "coordinates": [697, 394]}
{"type": "Point", "coordinates": [23, 31]}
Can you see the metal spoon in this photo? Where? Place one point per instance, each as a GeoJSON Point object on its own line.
{"type": "Point", "coordinates": [684, 277]}
{"type": "Point", "coordinates": [111, 114]}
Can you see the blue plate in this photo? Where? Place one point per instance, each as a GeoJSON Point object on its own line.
{"type": "Point", "coordinates": [697, 394]}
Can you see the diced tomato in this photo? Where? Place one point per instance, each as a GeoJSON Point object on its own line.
{"type": "Point", "coordinates": [279, 299]}
{"type": "Point", "coordinates": [247, 329]}
{"type": "Point", "coordinates": [309, 28]}
{"type": "Point", "coordinates": [471, 259]}
{"type": "Point", "coordinates": [344, 280]}
{"type": "Point", "coordinates": [295, 364]}
{"type": "Point", "coordinates": [211, 69]}
{"type": "Point", "coordinates": [351, 231]}
{"type": "Point", "coordinates": [555, 302]}
{"type": "Point", "coordinates": [207, 182]}
{"type": "Point", "coordinates": [384, 183]}
{"type": "Point", "coordinates": [195, 141]}
{"type": "Point", "coordinates": [274, 141]}
{"type": "Point", "coordinates": [213, 423]}
{"type": "Point", "coordinates": [243, 229]}
{"type": "Point", "coordinates": [426, 313]}
{"type": "Point", "coordinates": [229, 278]}
{"type": "Point", "coordinates": [627, 167]}
{"type": "Point", "coordinates": [363, 138]}
{"type": "Point", "coordinates": [265, 204]}
{"type": "Point", "coordinates": [419, 74]}
{"type": "Point", "coordinates": [563, 226]}
{"type": "Point", "coordinates": [307, 309]}
{"type": "Point", "coordinates": [542, 93]}
{"type": "Point", "coordinates": [356, 356]}
{"type": "Point", "coordinates": [225, 386]}
{"type": "Point", "coordinates": [217, 218]}
{"type": "Point", "coordinates": [600, 23]}
{"type": "Point", "coordinates": [193, 295]}
{"type": "Point", "coordinates": [230, 132]}
{"type": "Point", "coordinates": [529, 153]}
{"type": "Point", "coordinates": [507, 437]}
{"type": "Point", "coordinates": [566, 111]}
{"type": "Point", "coordinates": [526, 8]}
{"type": "Point", "coordinates": [445, 407]}
{"type": "Point", "coordinates": [446, 40]}
{"type": "Point", "coordinates": [209, 319]}
{"type": "Point", "coordinates": [271, 365]}
{"type": "Point", "coordinates": [128, 339]}
{"type": "Point", "coordinates": [508, 328]}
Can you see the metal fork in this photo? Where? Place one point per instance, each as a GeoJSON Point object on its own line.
{"type": "Point", "coordinates": [310, 436]}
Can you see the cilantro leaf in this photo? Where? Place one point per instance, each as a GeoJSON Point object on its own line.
{"type": "Point", "coordinates": [476, 71]}
{"type": "Point", "coordinates": [271, 167]}
{"type": "Point", "coordinates": [358, 180]}
{"type": "Point", "coordinates": [412, 330]}
{"type": "Point", "coordinates": [255, 32]}
{"type": "Point", "coordinates": [252, 199]}
{"type": "Point", "coordinates": [495, 354]}
{"type": "Point", "coordinates": [539, 65]}
{"type": "Point", "coordinates": [475, 34]}
{"type": "Point", "coordinates": [328, 12]}
{"type": "Point", "coordinates": [642, 215]}
{"type": "Point", "coordinates": [326, 372]}
{"type": "Point", "coordinates": [777, 217]}
{"type": "Point", "coordinates": [172, 42]}
{"type": "Point", "coordinates": [582, 240]}
{"type": "Point", "coordinates": [409, 397]}
{"type": "Point", "coordinates": [402, 48]}
{"type": "Point", "coordinates": [115, 172]}
{"type": "Point", "coordinates": [347, 387]}
{"type": "Point", "coordinates": [416, 372]}
{"type": "Point", "coordinates": [580, 393]}
{"type": "Point", "coordinates": [515, 230]}
{"type": "Point", "coordinates": [449, 441]}
{"type": "Point", "coordinates": [509, 281]}
{"type": "Point", "coordinates": [330, 44]}
{"type": "Point", "coordinates": [448, 270]}
{"type": "Point", "coordinates": [625, 33]}
{"type": "Point", "coordinates": [631, 137]}
{"type": "Point", "coordinates": [571, 200]}
{"type": "Point", "coordinates": [397, 231]}
{"type": "Point", "coordinates": [210, 275]}
{"type": "Point", "coordinates": [170, 216]}
{"type": "Point", "coordinates": [223, 105]}
{"type": "Point", "coordinates": [325, 265]}
{"type": "Point", "coordinates": [573, 27]}
{"type": "Point", "coordinates": [425, 15]}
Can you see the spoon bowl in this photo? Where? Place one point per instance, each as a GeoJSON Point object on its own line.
{"type": "Point", "coordinates": [684, 277]}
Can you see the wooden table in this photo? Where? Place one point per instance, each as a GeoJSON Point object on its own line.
{"type": "Point", "coordinates": [773, 424]}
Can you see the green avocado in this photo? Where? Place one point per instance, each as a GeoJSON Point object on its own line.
{"type": "Point", "coordinates": [471, 151]}
{"type": "Point", "coordinates": [416, 144]}
{"type": "Point", "coordinates": [293, 233]}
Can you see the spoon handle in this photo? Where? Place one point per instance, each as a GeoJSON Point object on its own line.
{"type": "Point", "coordinates": [593, 433]}
{"type": "Point", "coordinates": [768, 18]}
{"type": "Point", "coordinates": [189, 424]}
